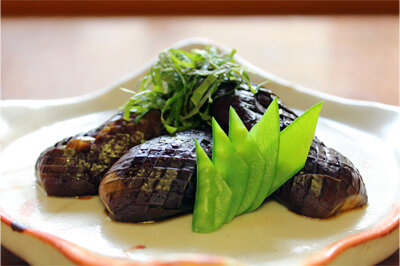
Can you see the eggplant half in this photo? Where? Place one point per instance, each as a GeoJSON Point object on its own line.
{"type": "Point", "coordinates": [75, 166]}
{"type": "Point", "coordinates": [156, 179]}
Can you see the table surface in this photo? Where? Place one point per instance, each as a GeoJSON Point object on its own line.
{"type": "Point", "coordinates": [350, 56]}
{"type": "Point", "coordinates": [355, 57]}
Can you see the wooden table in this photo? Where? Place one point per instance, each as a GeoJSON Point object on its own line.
{"type": "Point", "coordinates": [355, 57]}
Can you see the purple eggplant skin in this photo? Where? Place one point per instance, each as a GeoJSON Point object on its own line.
{"type": "Point", "coordinates": [327, 185]}
{"type": "Point", "coordinates": [156, 179]}
{"type": "Point", "coordinates": [75, 166]}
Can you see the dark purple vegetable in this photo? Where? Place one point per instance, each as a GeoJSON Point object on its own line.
{"type": "Point", "coordinates": [75, 166]}
{"type": "Point", "coordinates": [156, 179]}
{"type": "Point", "coordinates": [328, 184]}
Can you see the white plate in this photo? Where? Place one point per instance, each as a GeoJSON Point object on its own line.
{"type": "Point", "coordinates": [50, 230]}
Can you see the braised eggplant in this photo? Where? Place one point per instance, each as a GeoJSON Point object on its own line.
{"type": "Point", "coordinates": [156, 179]}
{"type": "Point", "coordinates": [75, 166]}
{"type": "Point", "coordinates": [328, 184]}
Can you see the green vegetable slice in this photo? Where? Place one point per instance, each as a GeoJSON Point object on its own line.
{"type": "Point", "coordinates": [247, 148]}
{"type": "Point", "coordinates": [266, 134]}
{"type": "Point", "coordinates": [201, 90]}
{"type": "Point", "coordinates": [295, 142]}
{"type": "Point", "coordinates": [213, 196]}
{"type": "Point", "coordinates": [233, 169]}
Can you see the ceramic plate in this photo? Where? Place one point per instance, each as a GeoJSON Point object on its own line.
{"type": "Point", "coordinates": [50, 230]}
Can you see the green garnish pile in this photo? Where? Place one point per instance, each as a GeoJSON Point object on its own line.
{"type": "Point", "coordinates": [181, 84]}
{"type": "Point", "coordinates": [247, 167]}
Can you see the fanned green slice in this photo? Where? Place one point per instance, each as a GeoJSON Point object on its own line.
{"type": "Point", "coordinates": [295, 143]}
{"type": "Point", "coordinates": [233, 169]}
{"type": "Point", "coordinates": [213, 196]}
{"type": "Point", "coordinates": [249, 151]}
{"type": "Point", "coordinates": [266, 134]}
{"type": "Point", "coordinates": [269, 155]}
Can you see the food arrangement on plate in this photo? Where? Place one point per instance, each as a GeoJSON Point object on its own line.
{"type": "Point", "coordinates": [152, 160]}
{"type": "Point", "coordinates": [144, 165]}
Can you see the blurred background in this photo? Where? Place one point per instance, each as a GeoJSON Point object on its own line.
{"type": "Point", "coordinates": [54, 49]}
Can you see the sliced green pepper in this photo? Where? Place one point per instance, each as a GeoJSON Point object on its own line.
{"type": "Point", "coordinates": [213, 196]}
{"type": "Point", "coordinates": [295, 142]}
{"type": "Point", "coordinates": [266, 134]}
{"type": "Point", "coordinates": [233, 169]}
{"type": "Point", "coordinates": [247, 148]}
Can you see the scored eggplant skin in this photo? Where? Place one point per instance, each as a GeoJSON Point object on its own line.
{"type": "Point", "coordinates": [156, 179]}
{"type": "Point", "coordinates": [328, 184]}
{"type": "Point", "coordinates": [74, 166]}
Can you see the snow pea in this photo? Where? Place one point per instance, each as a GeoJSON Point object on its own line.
{"type": "Point", "coordinates": [213, 196]}
{"type": "Point", "coordinates": [233, 169]}
{"type": "Point", "coordinates": [266, 134]}
{"type": "Point", "coordinates": [295, 142]}
{"type": "Point", "coordinates": [249, 151]}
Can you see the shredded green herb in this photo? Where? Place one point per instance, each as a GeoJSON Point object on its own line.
{"type": "Point", "coordinates": [182, 84]}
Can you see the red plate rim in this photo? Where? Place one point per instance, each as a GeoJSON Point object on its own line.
{"type": "Point", "coordinates": [82, 256]}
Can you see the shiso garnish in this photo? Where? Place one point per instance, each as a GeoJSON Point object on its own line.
{"type": "Point", "coordinates": [182, 84]}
